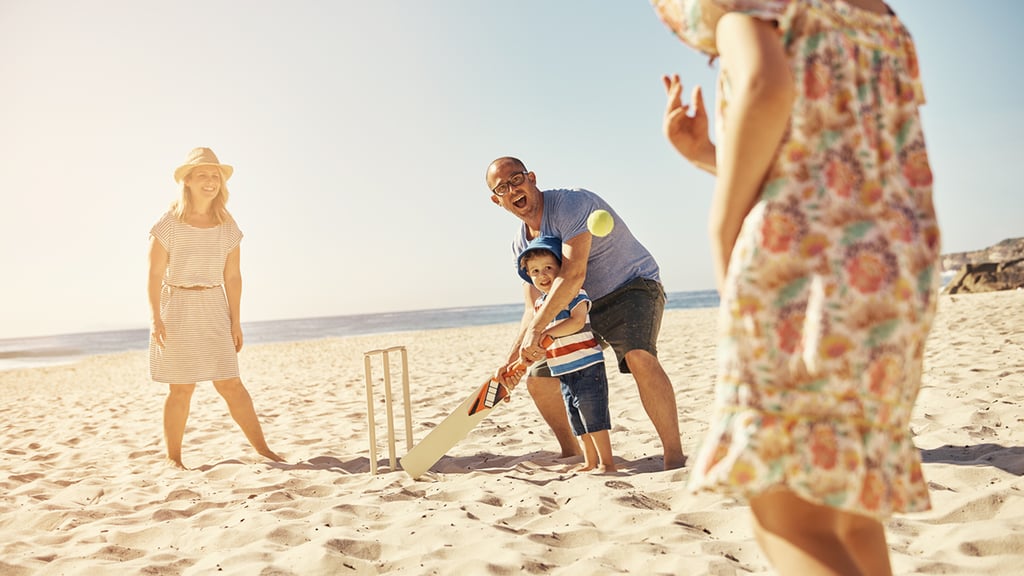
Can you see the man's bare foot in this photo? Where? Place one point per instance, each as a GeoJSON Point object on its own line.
{"type": "Point", "coordinates": [673, 461]}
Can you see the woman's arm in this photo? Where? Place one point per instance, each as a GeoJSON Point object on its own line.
{"type": "Point", "coordinates": [233, 289]}
{"type": "Point", "coordinates": [158, 258]}
{"type": "Point", "coordinates": [760, 103]}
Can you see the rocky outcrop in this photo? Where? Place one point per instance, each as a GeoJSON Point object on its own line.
{"type": "Point", "coordinates": [999, 267]}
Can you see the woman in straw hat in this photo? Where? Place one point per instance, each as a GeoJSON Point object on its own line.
{"type": "Point", "coordinates": [195, 286]}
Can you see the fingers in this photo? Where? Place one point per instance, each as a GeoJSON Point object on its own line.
{"type": "Point", "coordinates": [157, 334]}
{"type": "Point", "coordinates": [674, 89]}
{"type": "Point", "coordinates": [669, 80]}
{"type": "Point", "coordinates": [511, 375]}
{"type": "Point", "coordinates": [530, 354]}
{"type": "Point", "coordinates": [698, 101]}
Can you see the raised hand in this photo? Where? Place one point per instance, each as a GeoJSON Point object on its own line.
{"type": "Point", "coordinates": [686, 126]}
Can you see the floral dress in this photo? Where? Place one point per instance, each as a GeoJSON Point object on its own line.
{"type": "Point", "coordinates": [830, 289]}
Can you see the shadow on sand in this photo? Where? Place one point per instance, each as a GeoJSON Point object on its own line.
{"type": "Point", "coordinates": [1009, 459]}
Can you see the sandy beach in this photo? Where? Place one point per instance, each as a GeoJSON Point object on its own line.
{"type": "Point", "coordinates": [84, 488]}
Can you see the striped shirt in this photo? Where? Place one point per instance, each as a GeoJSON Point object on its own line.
{"type": "Point", "coordinates": [574, 352]}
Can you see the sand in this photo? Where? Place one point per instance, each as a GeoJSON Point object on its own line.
{"type": "Point", "coordinates": [84, 488]}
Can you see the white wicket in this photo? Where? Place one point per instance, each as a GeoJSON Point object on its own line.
{"type": "Point", "coordinates": [386, 362]}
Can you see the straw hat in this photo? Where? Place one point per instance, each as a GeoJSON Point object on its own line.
{"type": "Point", "coordinates": [201, 157]}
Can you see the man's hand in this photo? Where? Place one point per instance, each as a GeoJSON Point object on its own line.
{"type": "Point", "coordinates": [532, 349]}
{"type": "Point", "coordinates": [510, 375]}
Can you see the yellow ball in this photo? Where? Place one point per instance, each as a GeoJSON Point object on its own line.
{"type": "Point", "coordinates": [600, 223]}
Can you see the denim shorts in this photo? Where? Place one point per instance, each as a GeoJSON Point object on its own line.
{"type": "Point", "coordinates": [629, 318]}
{"type": "Point", "coordinates": [586, 399]}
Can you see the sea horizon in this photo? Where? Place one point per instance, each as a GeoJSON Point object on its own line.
{"type": "Point", "coordinates": [37, 351]}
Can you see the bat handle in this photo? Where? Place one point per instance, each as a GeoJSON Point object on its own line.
{"type": "Point", "coordinates": [545, 342]}
{"type": "Point", "coordinates": [514, 368]}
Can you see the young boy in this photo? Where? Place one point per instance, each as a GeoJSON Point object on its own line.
{"type": "Point", "coordinates": [574, 356]}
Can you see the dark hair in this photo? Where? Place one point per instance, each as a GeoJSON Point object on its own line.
{"type": "Point", "coordinates": [533, 253]}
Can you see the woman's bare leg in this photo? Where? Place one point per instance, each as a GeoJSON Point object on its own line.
{"type": "Point", "coordinates": [244, 413]}
{"type": "Point", "coordinates": [810, 539]}
{"type": "Point", "coordinates": [176, 409]}
{"type": "Point", "coordinates": [864, 539]}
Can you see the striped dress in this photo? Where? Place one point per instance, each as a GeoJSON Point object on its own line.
{"type": "Point", "coordinates": [574, 352]}
{"type": "Point", "coordinates": [198, 345]}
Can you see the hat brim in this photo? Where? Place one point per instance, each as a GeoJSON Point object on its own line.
{"type": "Point", "coordinates": [182, 171]}
{"type": "Point", "coordinates": [552, 244]}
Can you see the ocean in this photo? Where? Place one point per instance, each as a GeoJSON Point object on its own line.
{"type": "Point", "coordinates": [69, 348]}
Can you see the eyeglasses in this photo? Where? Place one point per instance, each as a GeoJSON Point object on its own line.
{"type": "Point", "coordinates": [517, 179]}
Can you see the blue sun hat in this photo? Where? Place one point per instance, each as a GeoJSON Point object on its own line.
{"type": "Point", "coordinates": [552, 244]}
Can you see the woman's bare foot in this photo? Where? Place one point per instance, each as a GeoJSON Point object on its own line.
{"type": "Point", "coordinates": [605, 468]}
{"type": "Point", "coordinates": [175, 463]}
{"type": "Point", "coordinates": [271, 455]}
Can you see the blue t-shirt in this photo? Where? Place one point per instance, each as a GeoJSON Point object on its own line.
{"type": "Point", "coordinates": [615, 259]}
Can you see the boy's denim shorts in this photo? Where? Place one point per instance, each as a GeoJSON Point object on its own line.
{"type": "Point", "coordinates": [586, 399]}
{"type": "Point", "coordinates": [629, 318]}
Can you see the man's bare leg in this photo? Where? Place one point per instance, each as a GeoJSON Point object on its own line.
{"type": "Point", "coordinates": [547, 395]}
{"type": "Point", "coordinates": [176, 410]}
{"type": "Point", "coordinates": [659, 401]}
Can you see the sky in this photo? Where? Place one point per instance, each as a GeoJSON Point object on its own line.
{"type": "Point", "coordinates": [360, 133]}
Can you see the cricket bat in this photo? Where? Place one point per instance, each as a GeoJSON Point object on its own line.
{"type": "Point", "coordinates": [494, 391]}
{"type": "Point", "coordinates": [453, 428]}
{"type": "Point", "coordinates": [445, 435]}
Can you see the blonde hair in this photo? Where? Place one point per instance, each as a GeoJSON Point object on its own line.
{"type": "Point", "coordinates": [183, 204]}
